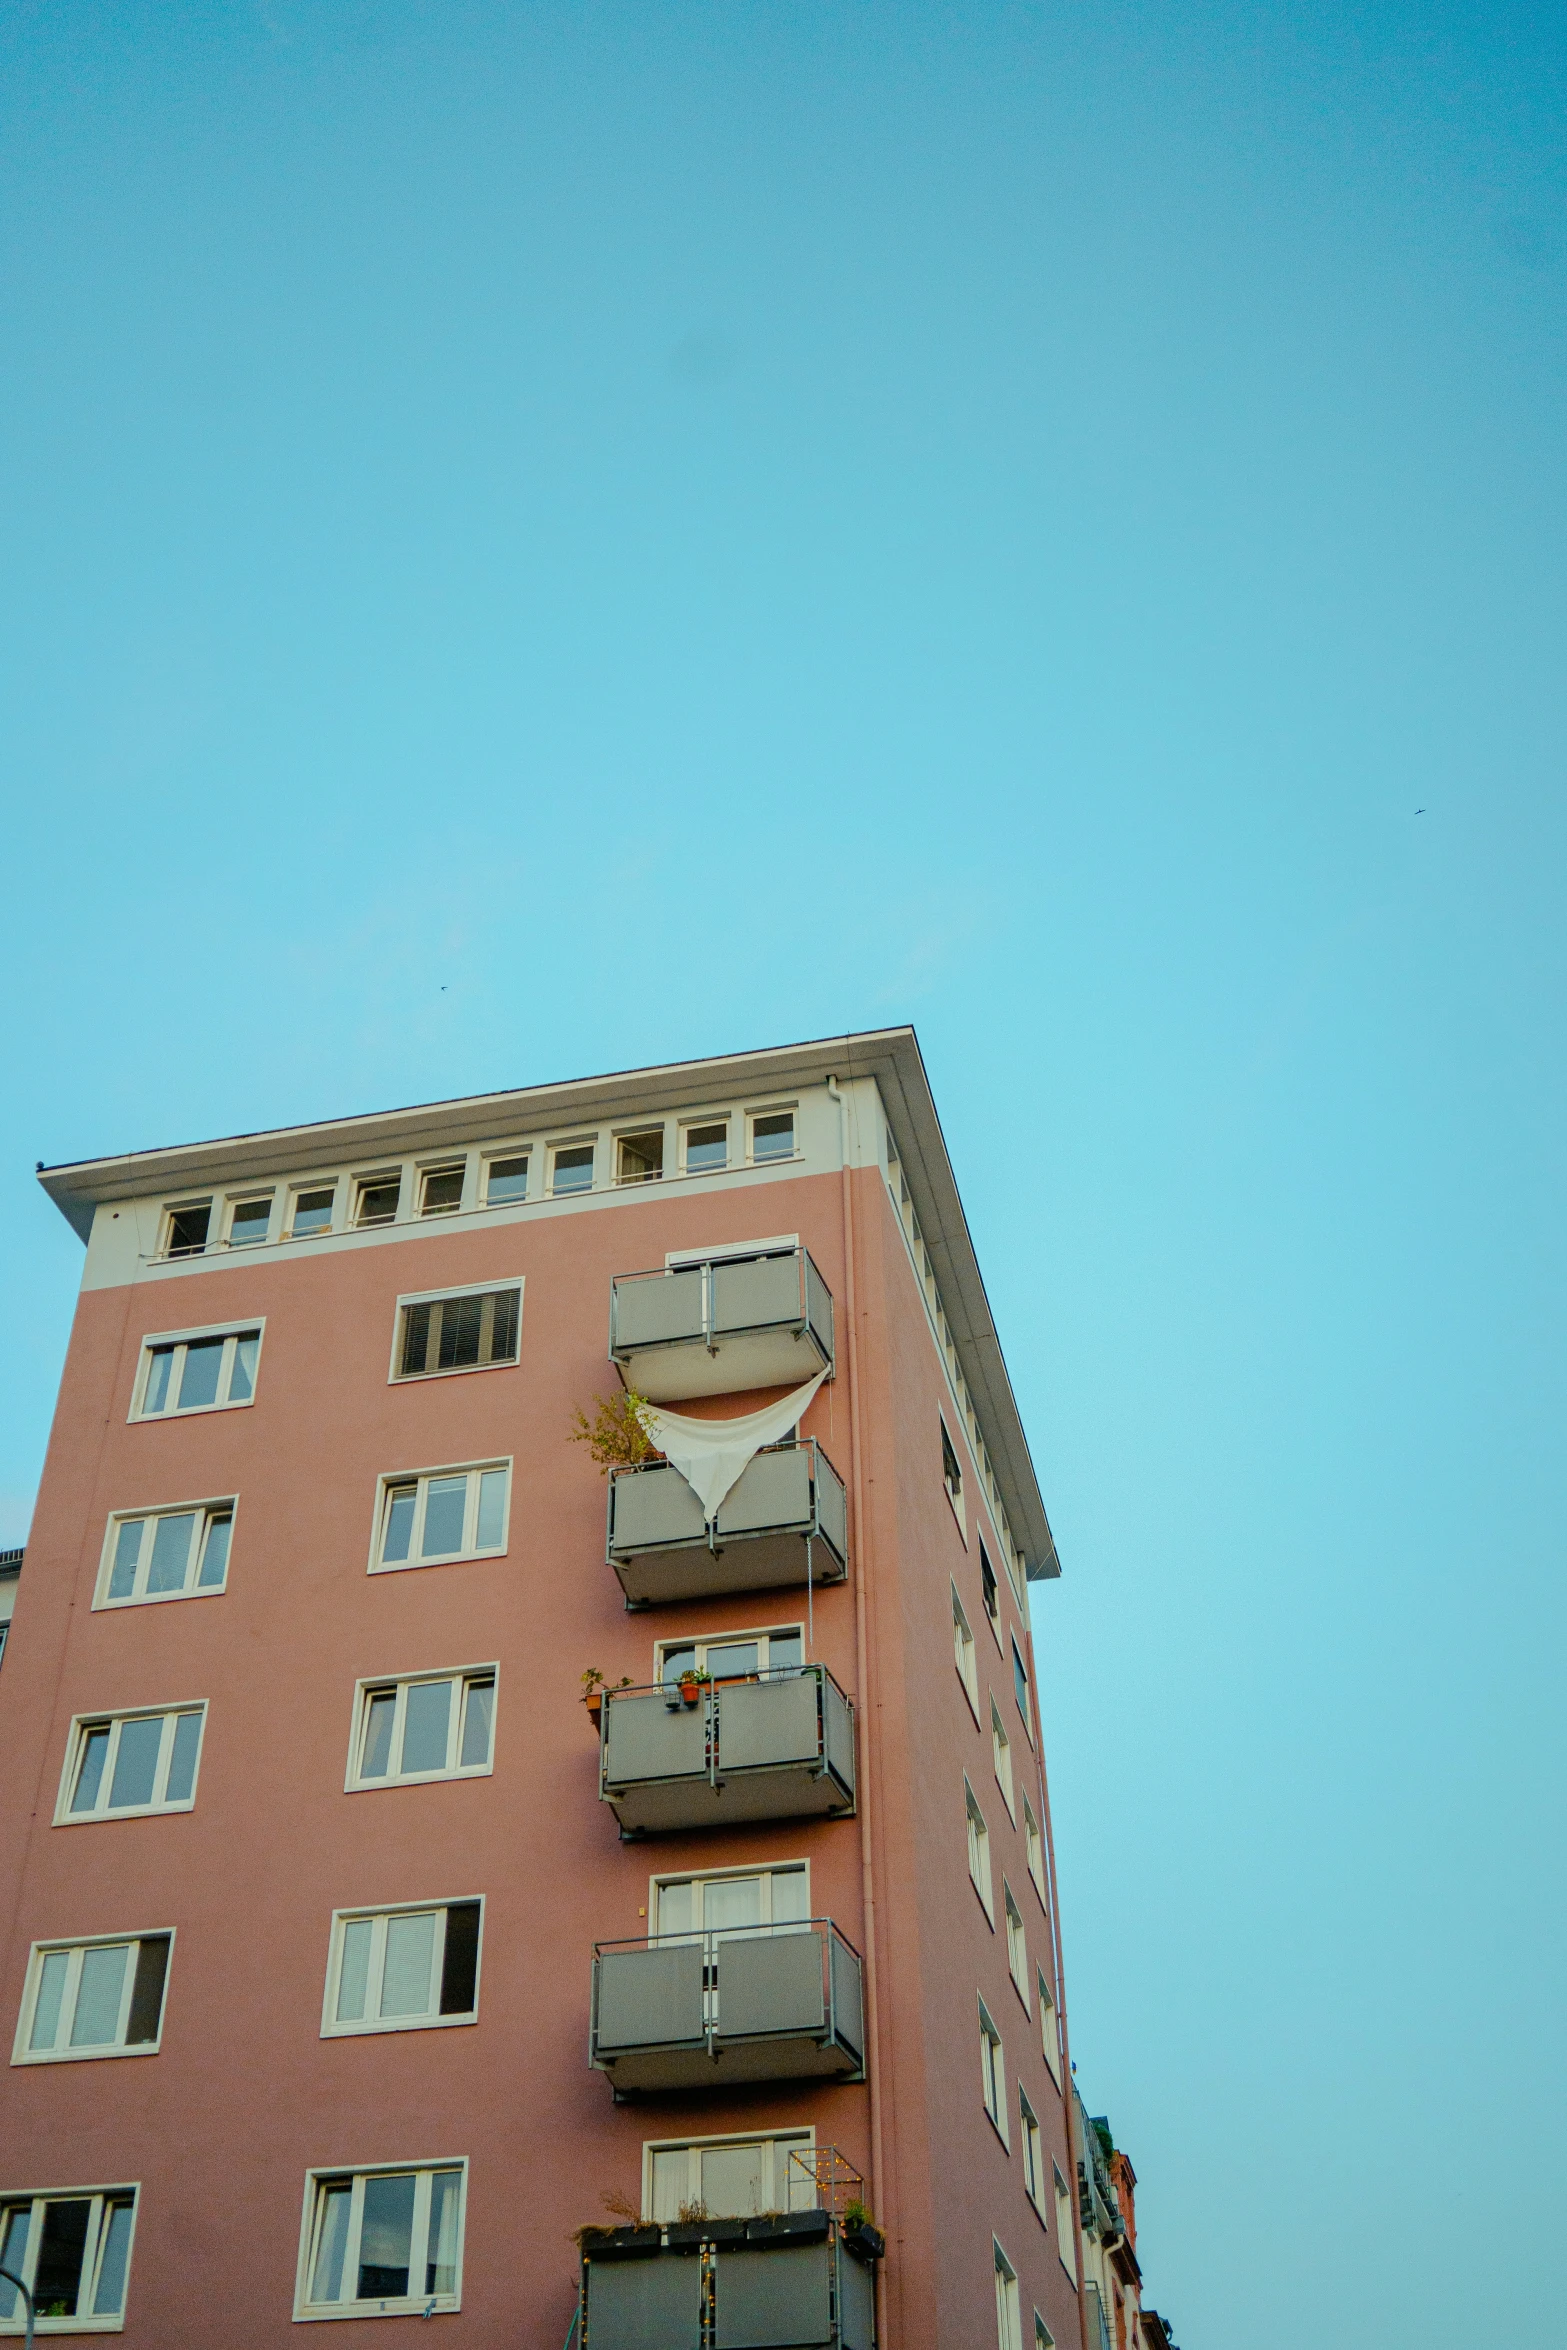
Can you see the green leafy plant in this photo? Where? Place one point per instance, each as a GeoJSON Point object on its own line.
{"type": "Point", "coordinates": [616, 1436]}
{"type": "Point", "coordinates": [857, 2214]}
{"type": "Point", "coordinates": [593, 1681]}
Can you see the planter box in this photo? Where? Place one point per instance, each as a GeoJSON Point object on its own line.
{"type": "Point", "coordinates": [865, 2242]}
{"type": "Point", "coordinates": [789, 2227]}
{"type": "Point", "coordinates": [621, 2243]}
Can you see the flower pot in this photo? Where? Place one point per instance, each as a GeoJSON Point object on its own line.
{"type": "Point", "coordinates": [595, 1706]}
{"type": "Point", "coordinates": [690, 1691]}
{"type": "Point", "coordinates": [864, 2241]}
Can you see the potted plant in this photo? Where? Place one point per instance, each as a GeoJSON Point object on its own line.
{"type": "Point", "coordinates": [861, 2235]}
{"type": "Point", "coordinates": [693, 1682]}
{"type": "Point", "coordinates": [594, 1686]}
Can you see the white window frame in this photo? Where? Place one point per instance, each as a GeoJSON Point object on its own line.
{"type": "Point", "coordinates": [73, 1948]}
{"type": "Point", "coordinates": [421, 1479]}
{"type": "Point", "coordinates": [1033, 1838]}
{"type": "Point", "coordinates": [624, 1134]}
{"type": "Point", "coordinates": [789, 2141]}
{"type": "Point", "coordinates": [978, 1836]}
{"type": "Point", "coordinates": [209, 1512]}
{"type": "Point", "coordinates": [689, 1126]}
{"type": "Point", "coordinates": [235, 1200]}
{"type": "Point", "coordinates": [375, 1179]}
{"type": "Point", "coordinates": [231, 1332]}
{"type": "Point", "coordinates": [297, 1191]}
{"type": "Point", "coordinates": [954, 1497]}
{"type": "Point", "coordinates": [992, 1615]}
{"type": "Point", "coordinates": [571, 1142]}
{"type": "Point", "coordinates": [1032, 2140]}
{"type": "Point", "coordinates": [92, 2252]}
{"type": "Point", "coordinates": [490, 1158]}
{"type": "Point", "coordinates": [378, 1915]}
{"type": "Point", "coordinates": [1017, 1944]}
{"type": "Point", "coordinates": [963, 1654]}
{"type": "Point", "coordinates": [1020, 1663]}
{"type": "Point", "coordinates": [703, 1643]}
{"type": "Point", "coordinates": [1001, 1758]}
{"type": "Point", "coordinates": [433, 1297]}
{"type": "Point", "coordinates": [1044, 2339]}
{"type": "Point", "coordinates": [307, 2311]}
{"type": "Point", "coordinates": [772, 1110]}
{"type": "Point", "coordinates": [375, 1684]}
{"type": "Point", "coordinates": [1049, 2026]}
{"type": "Point", "coordinates": [1066, 2246]}
{"type": "Point", "coordinates": [75, 1748]}
{"type": "Point", "coordinates": [1009, 2307]}
{"type": "Point", "coordinates": [458, 1163]}
{"type": "Point", "coordinates": [659, 1883]}
{"type": "Point", "coordinates": [182, 1206]}
{"type": "Point", "coordinates": [993, 2074]}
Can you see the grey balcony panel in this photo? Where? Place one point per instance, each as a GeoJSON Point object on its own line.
{"type": "Point", "coordinates": [643, 2305]}
{"type": "Point", "coordinates": [767, 1532]}
{"type": "Point", "coordinates": [762, 1722]}
{"type": "Point", "coordinates": [773, 1493]}
{"type": "Point", "coordinates": [643, 1740]}
{"type": "Point", "coordinates": [754, 1293]}
{"type": "Point", "coordinates": [658, 1312]}
{"type": "Point", "coordinates": [773, 2299]}
{"type": "Point", "coordinates": [773, 1983]}
{"type": "Point", "coordinates": [832, 1506]}
{"type": "Point", "coordinates": [651, 1508]}
{"type": "Point", "coordinates": [856, 2305]}
{"type": "Point", "coordinates": [818, 1308]}
{"type": "Point", "coordinates": [648, 1998]}
{"type": "Point", "coordinates": [848, 1996]}
{"type": "Point", "coordinates": [838, 1735]}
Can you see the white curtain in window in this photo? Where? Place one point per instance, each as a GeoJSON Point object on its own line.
{"type": "Point", "coordinates": [713, 1455]}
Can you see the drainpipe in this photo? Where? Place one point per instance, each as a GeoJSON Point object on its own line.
{"type": "Point", "coordinates": [862, 1656]}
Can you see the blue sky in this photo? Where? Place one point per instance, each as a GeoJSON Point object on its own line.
{"type": "Point", "coordinates": [542, 538]}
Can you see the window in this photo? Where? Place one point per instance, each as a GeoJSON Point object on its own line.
{"type": "Point", "coordinates": [382, 2243]}
{"type": "Point", "coordinates": [1066, 2244]}
{"type": "Point", "coordinates": [731, 2178]}
{"type": "Point", "coordinates": [185, 1231]}
{"type": "Point", "coordinates": [73, 2253]}
{"type": "Point", "coordinates": [468, 1330]}
{"type": "Point", "coordinates": [987, 1581]}
{"type": "Point", "coordinates": [122, 1764]}
{"type": "Point", "coordinates": [639, 1158]}
{"type": "Point", "coordinates": [443, 1514]}
{"type": "Point", "coordinates": [1009, 2315]}
{"type": "Point", "coordinates": [1020, 1688]}
{"type": "Point", "coordinates": [1036, 1851]}
{"type": "Point", "coordinates": [376, 1198]}
{"type": "Point", "coordinates": [1033, 2152]}
{"type": "Point", "coordinates": [951, 1473]}
{"type": "Point", "coordinates": [433, 1726]}
{"type": "Point", "coordinates": [250, 1220]}
{"type": "Point", "coordinates": [1044, 2339]}
{"type": "Point", "coordinates": [963, 1652]}
{"type": "Point", "coordinates": [196, 1371]}
{"type": "Point", "coordinates": [402, 1970]}
{"type": "Point", "coordinates": [707, 1148]}
{"type": "Point", "coordinates": [166, 1554]}
{"type": "Point", "coordinates": [992, 2072]}
{"type": "Point", "coordinates": [772, 1135]}
{"type": "Point", "coordinates": [732, 1902]}
{"type": "Point", "coordinates": [1001, 1753]}
{"type": "Point", "coordinates": [1017, 1947]}
{"type": "Point", "coordinates": [440, 1189]}
{"type": "Point", "coordinates": [1049, 2026]}
{"type": "Point", "coordinates": [100, 1998]}
{"type": "Point", "coordinates": [735, 1656]}
{"type": "Point", "coordinates": [978, 1851]}
{"type": "Point", "coordinates": [312, 1211]}
{"type": "Point", "coordinates": [571, 1167]}
{"type": "Point", "coordinates": [506, 1181]}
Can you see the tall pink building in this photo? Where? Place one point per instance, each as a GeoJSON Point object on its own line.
{"type": "Point", "coordinates": [359, 1970]}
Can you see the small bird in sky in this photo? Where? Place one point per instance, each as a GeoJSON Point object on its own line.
{"type": "Point", "coordinates": [1420, 811]}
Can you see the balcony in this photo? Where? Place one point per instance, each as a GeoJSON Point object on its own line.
{"type": "Point", "coordinates": [776, 1746]}
{"type": "Point", "coordinates": [793, 2283]}
{"type": "Point", "coordinates": [718, 1327]}
{"type": "Point", "coordinates": [705, 2011]}
{"type": "Point", "coordinates": [786, 1520]}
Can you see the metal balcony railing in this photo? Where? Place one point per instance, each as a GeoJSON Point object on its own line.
{"type": "Point", "coordinates": [786, 1520]}
{"type": "Point", "coordinates": [721, 1325]}
{"type": "Point", "coordinates": [795, 2282]}
{"type": "Point", "coordinates": [771, 1746]}
{"type": "Point", "coordinates": [706, 2010]}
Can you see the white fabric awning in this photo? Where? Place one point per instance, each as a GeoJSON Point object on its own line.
{"type": "Point", "coordinates": [713, 1455]}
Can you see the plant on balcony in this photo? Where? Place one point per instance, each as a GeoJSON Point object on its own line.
{"type": "Point", "coordinates": [693, 1682]}
{"type": "Point", "coordinates": [594, 1686]}
{"type": "Point", "coordinates": [860, 2231]}
{"type": "Point", "coordinates": [616, 1436]}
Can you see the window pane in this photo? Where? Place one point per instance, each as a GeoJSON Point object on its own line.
{"type": "Point", "coordinates": [442, 1194]}
{"type": "Point", "coordinates": [312, 1212]}
{"type": "Point", "coordinates": [353, 1974]}
{"type": "Point", "coordinates": [503, 1334]}
{"type": "Point", "coordinates": [508, 1181]}
{"type": "Point", "coordinates": [671, 2181]}
{"type": "Point", "coordinates": [478, 1723]}
{"type": "Point", "coordinates": [378, 1202]}
{"type": "Point", "coordinates": [790, 1900]}
{"type": "Point", "coordinates": [378, 1735]}
{"type": "Point", "coordinates": [797, 2179]}
{"type": "Point", "coordinates": [90, 1777]}
{"type": "Point", "coordinates": [425, 1723]}
{"type": "Point", "coordinates": [733, 2180]}
{"type": "Point", "coordinates": [678, 1661]}
{"type": "Point", "coordinates": [326, 2283]}
{"type": "Point", "coordinates": [445, 1500]}
{"type": "Point", "coordinates": [249, 1222]}
{"type": "Point", "coordinates": [460, 1959]}
{"type": "Point", "coordinates": [386, 2236]}
{"type": "Point", "coordinates": [676, 1907]}
{"type": "Point", "coordinates": [410, 1954]}
{"type": "Point", "coordinates": [51, 1988]}
{"type": "Point", "coordinates": [157, 1394]}
{"type": "Point", "coordinates": [1019, 1682]}
{"type": "Point", "coordinates": [400, 1501]}
{"type": "Point", "coordinates": [784, 1650]}
{"type": "Point", "coordinates": [641, 1156]}
{"type": "Point", "coordinates": [731, 1902]}
{"type": "Point", "coordinates": [170, 1552]}
{"type": "Point", "coordinates": [242, 1378]}
{"type": "Point", "coordinates": [772, 1137]}
{"type": "Point", "coordinates": [182, 1763]}
{"type": "Point", "coordinates": [461, 1321]}
{"type": "Point", "coordinates": [416, 1338]}
{"type": "Point", "coordinates": [127, 1550]}
{"type": "Point", "coordinates": [96, 2023]}
{"type": "Point", "coordinates": [136, 1762]}
{"type": "Point", "coordinates": [492, 1508]}
{"type": "Point", "coordinates": [706, 1147]}
{"type": "Point", "coordinates": [188, 1229]}
{"type": "Point", "coordinates": [110, 2296]}
{"type": "Point", "coordinates": [15, 2227]}
{"type": "Point", "coordinates": [440, 2274]}
{"type": "Point", "coordinates": [727, 1663]}
{"type": "Point", "coordinates": [60, 2251]}
{"type": "Point", "coordinates": [215, 1558]}
{"type": "Point", "coordinates": [199, 1379]}
{"type": "Point", "coordinates": [146, 2016]}
{"type": "Point", "coordinates": [574, 1168]}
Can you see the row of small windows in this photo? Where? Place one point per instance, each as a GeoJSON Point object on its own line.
{"type": "Point", "coordinates": [500, 1178]}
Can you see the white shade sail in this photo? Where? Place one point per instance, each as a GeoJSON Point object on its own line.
{"type": "Point", "coordinates": [713, 1455]}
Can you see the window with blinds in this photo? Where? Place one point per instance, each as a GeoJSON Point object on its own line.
{"type": "Point", "coordinates": [470, 1332]}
